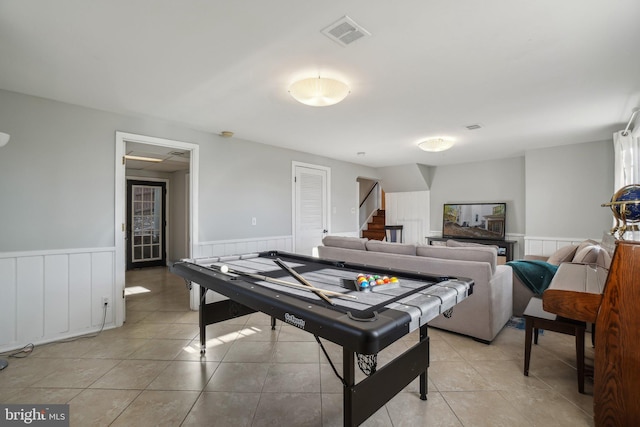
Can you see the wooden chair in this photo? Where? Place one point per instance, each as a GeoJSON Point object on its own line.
{"type": "Point", "coordinates": [536, 318]}
{"type": "Point", "coordinates": [393, 233]}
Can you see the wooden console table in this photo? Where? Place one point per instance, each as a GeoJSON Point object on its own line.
{"type": "Point", "coordinates": [505, 247]}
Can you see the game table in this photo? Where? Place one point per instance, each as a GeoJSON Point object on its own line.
{"type": "Point", "coordinates": [325, 299]}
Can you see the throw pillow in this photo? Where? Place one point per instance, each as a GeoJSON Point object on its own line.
{"type": "Point", "coordinates": [564, 254]}
{"type": "Point", "coordinates": [593, 254]}
{"type": "Point", "coordinates": [586, 255]}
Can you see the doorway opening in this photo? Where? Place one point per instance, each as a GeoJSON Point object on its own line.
{"type": "Point", "coordinates": [176, 166]}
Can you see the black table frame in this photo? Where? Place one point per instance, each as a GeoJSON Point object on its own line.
{"type": "Point", "coordinates": [360, 400]}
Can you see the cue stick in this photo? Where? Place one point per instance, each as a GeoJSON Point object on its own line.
{"type": "Point", "coordinates": [302, 280]}
{"type": "Point", "coordinates": [285, 283]}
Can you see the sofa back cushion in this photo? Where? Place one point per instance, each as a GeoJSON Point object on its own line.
{"type": "Point", "coordinates": [459, 244]}
{"type": "Point", "coordinates": [390, 247]}
{"type": "Point", "coordinates": [345, 242]}
{"type": "Point", "coordinates": [482, 254]}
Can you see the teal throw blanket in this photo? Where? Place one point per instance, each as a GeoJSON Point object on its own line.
{"type": "Point", "coordinates": [536, 275]}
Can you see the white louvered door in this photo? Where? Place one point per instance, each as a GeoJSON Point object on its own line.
{"type": "Point", "coordinates": [311, 208]}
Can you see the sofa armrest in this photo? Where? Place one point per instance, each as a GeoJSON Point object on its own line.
{"type": "Point", "coordinates": [502, 297]}
{"type": "Point", "coordinates": [483, 314]}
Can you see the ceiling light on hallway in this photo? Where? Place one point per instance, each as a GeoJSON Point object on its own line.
{"type": "Point", "coordinates": [435, 144]}
{"type": "Point", "coordinates": [4, 139]}
{"type": "Point", "coordinates": [142, 158]}
{"type": "Point", "coordinates": [319, 91]}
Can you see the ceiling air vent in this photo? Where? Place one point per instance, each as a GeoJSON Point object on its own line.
{"type": "Point", "coordinates": [473, 127]}
{"type": "Point", "coordinates": [345, 31]}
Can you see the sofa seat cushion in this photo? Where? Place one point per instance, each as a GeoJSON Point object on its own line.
{"type": "Point", "coordinates": [481, 254]}
{"type": "Point", "coordinates": [390, 247]}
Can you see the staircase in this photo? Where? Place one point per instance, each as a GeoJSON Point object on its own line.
{"type": "Point", "coordinates": [375, 228]}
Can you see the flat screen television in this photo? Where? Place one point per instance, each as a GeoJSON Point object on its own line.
{"type": "Point", "coordinates": [484, 221]}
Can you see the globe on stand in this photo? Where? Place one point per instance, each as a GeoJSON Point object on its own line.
{"type": "Point", "coordinates": [625, 205]}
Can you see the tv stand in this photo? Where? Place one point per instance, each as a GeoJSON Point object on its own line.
{"type": "Point", "coordinates": [505, 247]}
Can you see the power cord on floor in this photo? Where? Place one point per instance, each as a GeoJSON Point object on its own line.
{"type": "Point", "coordinates": [28, 349]}
{"type": "Point", "coordinates": [94, 334]}
{"type": "Point", "coordinates": [19, 354]}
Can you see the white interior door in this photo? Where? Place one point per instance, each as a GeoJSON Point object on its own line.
{"type": "Point", "coordinates": [311, 207]}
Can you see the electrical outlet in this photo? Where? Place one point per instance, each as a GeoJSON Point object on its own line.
{"type": "Point", "coordinates": [106, 302]}
{"type": "Point", "coordinates": [253, 221]}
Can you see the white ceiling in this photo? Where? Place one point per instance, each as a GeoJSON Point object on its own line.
{"type": "Point", "coordinates": [172, 159]}
{"type": "Point", "coordinates": [532, 73]}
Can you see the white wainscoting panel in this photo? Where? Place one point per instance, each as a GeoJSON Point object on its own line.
{"type": "Point", "coordinates": [546, 246]}
{"type": "Point", "coordinates": [244, 246]}
{"type": "Point", "coordinates": [235, 247]}
{"type": "Point", "coordinates": [56, 294]}
{"type": "Point", "coordinates": [102, 285]}
{"type": "Point", "coordinates": [52, 295]}
{"type": "Point", "coordinates": [30, 286]}
{"type": "Point", "coordinates": [8, 301]}
{"type": "Point", "coordinates": [411, 210]}
{"type": "Point", "coordinates": [79, 276]}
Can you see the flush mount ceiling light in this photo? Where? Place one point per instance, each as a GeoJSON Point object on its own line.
{"type": "Point", "coordinates": [435, 144]}
{"type": "Point", "coordinates": [142, 158]}
{"type": "Point", "coordinates": [319, 91]}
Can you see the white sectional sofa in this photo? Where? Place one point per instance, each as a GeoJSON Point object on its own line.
{"type": "Point", "coordinates": [481, 316]}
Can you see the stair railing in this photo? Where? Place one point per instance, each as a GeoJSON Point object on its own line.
{"type": "Point", "coordinates": [369, 205]}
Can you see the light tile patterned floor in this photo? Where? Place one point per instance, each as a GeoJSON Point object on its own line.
{"type": "Point", "coordinates": [150, 372]}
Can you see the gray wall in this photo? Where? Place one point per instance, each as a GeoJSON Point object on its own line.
{"type": "Point", "coordinates": [178, 210]}
{"type": "Point", "coordinates": [493, 181]}
{"type": "Point", "coordinates": [241, 179]}
{"type": "Point", "coordinates": [550, 193]}
{"type": "Point", "coordinates": [400, 179]}
{"type": "Point", "coordinates": [565, 187]}
{"type": "Point", "coordinates": [57, 178]}
{"type": "Point", "coordinates": [57, 181]}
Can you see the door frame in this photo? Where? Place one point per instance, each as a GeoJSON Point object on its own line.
{"type": "Point", "coordinates": [120, 262]}
{"type": "Point", "coordinates": [294, 219]}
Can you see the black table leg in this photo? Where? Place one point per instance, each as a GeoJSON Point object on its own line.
{"type": "Point", "coordinates": [424, 376]}
{"type": "Point", "coordinates": [203, 323]}
{"type": "Point", "coordinates": [273, 323]}
{"type": "Point", "coordinates": [349, 374]}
